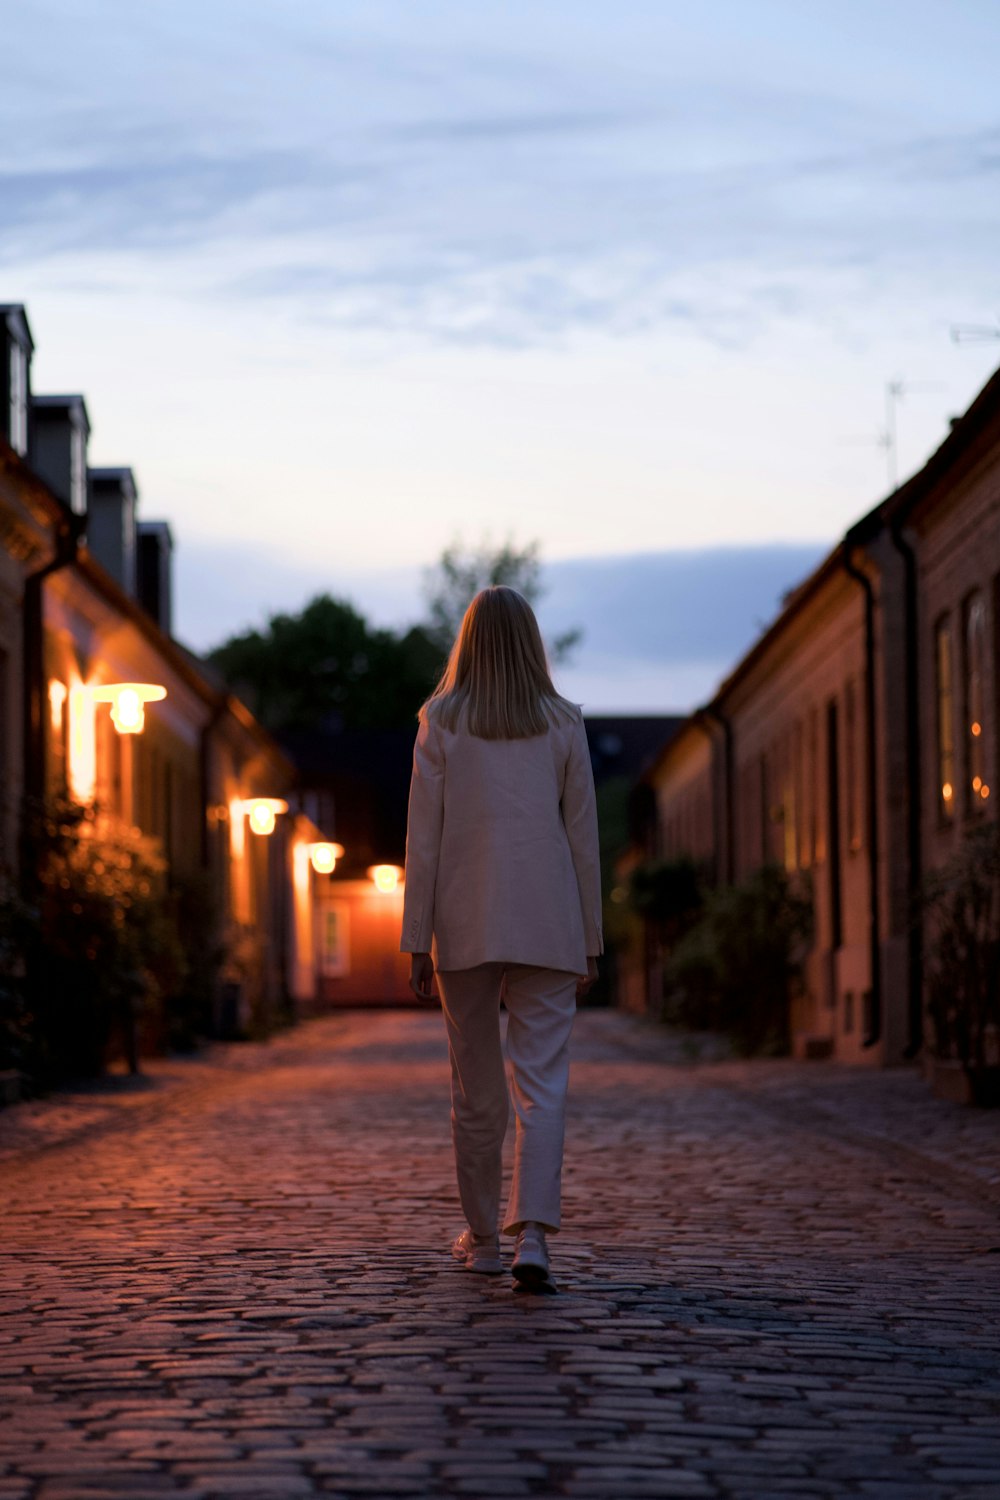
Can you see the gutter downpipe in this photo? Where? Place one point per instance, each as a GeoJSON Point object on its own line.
{"type": "Point", "coordinates": [204, 758]}
{"type": "Point", "coordinates": [33, 647]}
{"type": "Point", "coordinates": [712, 712]}
{"type": "Point", "coordinates": [914, 836]}
{"type": "Point", "coordinates": [871, 755]}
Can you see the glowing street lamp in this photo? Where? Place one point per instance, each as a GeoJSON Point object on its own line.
{"type": "Point", "coordinates": [261, 812]}
{"type": "Point", "coordinates": [324, 857]}
{"type": "Point", "coordinates": [385, 878]}
{"type": "Point", "coordinates": [128, 703]}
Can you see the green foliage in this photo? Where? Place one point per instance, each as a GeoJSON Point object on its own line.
{"type": "Point", "coordinates": [329, 663]}
{"type": "Point", "coordinates": [19, 929]}
{"type": "Point", "coordinates": [962, 955]}
{"type": "Point", "coordinates": [461, 572]}
{"type": "Point", "coordinates": [736, 968]}
{"type": "Point", "coordinates": [669, 893]}
{"type": "Point", "coordinates": [109, 952]}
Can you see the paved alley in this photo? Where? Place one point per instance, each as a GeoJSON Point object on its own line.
{"type": "Point", "coordinates": [231, 1278]}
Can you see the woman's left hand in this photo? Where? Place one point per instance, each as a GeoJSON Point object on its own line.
{"type": "Point", "coordinates": [585, 981]}
{"type": "Point", "coordinates": [422, 978]}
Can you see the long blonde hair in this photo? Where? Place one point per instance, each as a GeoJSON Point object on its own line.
{"type": "Point", "coordinates": [497, 672]}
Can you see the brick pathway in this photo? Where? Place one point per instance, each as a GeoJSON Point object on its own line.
{"type": "Point", "coordinates": [231, 1279]}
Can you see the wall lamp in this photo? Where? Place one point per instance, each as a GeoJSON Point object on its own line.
{"type": "Point", "coordinates": [261, 812]}
{"type": "Point", "coordinates": [324, 857]}
{"type": "Point", "coordinates": [385, 878]}
{"type": "Point", "coordinates": [128, 703]}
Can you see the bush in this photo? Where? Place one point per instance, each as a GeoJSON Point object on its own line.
{"type": "Point", "coordinates": [670, 894]}
{"type": "Point", "coordinates": [962, 953]}
{"type": "Point", "coordinates": [736, 969]}
{"type": "Point", "coordinates": [19, 925]}
{"type": "Point", "coordinates": [108, 951]}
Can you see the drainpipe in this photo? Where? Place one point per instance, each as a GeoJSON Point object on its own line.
{"type": "Point", "coordinates": [914, 932]}
{"type": "Point", "coordinates": [33, 644]}
{"type": "Point", "coordinates": [871, 756]}
{"type": "Point", "coordinates": [204, 759]}
{"type": "Point", "coordinates": [729, 865]}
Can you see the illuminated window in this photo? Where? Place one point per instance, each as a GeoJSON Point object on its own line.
{"type": "Point", "coordinates": [945, 722]}
{"type": "Point", "coordinates": [974, 661]}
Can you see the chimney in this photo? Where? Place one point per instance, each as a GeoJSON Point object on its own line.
{"type": "Point", "coordinates": [16, 349]}
{"type": "Point", "coordinates": [60, 429]}
{"type": "Point", "coordinates": [155, 547]}
{"type": "Point", "coordinates": [111, 505]}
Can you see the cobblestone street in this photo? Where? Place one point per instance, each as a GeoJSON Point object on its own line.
{"type": "Point", "coordinates": [231, 1278]}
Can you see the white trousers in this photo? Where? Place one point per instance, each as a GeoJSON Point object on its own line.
{"type": "Point", "coordinates": [541, 1005]}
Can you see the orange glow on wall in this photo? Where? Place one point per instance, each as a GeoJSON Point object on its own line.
{"type": "Point", "coordinates": [82, 767]}
{"type": "Point", "coordinates": [58, 693]}
{"type": "Point", "coordinates": [324, 857]}
{"type": "Point", "coordinates": [261, 812]}
{"type": "Point", "coordinates": [385, 878]}
{"type": "Point", "coordinates": [128, 703]}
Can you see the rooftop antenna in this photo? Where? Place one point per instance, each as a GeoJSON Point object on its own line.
{"type": "Point", "coordinates": [895, 390]}
{"type": "Point", "coordinates": [974, 333]}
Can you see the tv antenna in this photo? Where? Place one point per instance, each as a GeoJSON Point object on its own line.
{"type": "Point", "coordinates": [895, 390]}
{"type": "Point", "coordinates": [974, 333]}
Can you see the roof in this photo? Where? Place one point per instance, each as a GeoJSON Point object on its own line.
{"type": "Point", "coordinates": [16, 319]}
{"type": "Point", "coordinates": [122, 477]}
{"type": "Point", "coordinates": [623, 744]}
{"type": "Point", "coordinates": [966, 431]}
{"type": "Point", "coordinates": [62, 403]}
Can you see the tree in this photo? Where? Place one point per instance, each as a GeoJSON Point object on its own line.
{"type": "Point", "coordinates": [327, 666]}
{"type": "Point", "coordinates": [461, 572]}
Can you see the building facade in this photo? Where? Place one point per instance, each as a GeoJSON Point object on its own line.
{"type": "Point", "coordinates": [857, 743]}
{"type": "Point", "coordinates": [84, 611]}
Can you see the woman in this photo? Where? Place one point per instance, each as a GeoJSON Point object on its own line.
{"type": "Point", "coordinates": [503, 893]}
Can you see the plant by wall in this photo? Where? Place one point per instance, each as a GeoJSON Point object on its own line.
{"type": "Point", "coordinates": [19, 925]}
{"type": "Point", "coordinates": [108, 950]}
{"type": "Point", "coordinates": [962, 957]}
{"type": "Point", "coordinates": [737, 968]}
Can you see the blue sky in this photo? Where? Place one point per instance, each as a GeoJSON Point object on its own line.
{"type": "Point", "coordinates": [344, 281]}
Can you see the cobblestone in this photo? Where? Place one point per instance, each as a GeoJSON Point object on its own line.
{"type": "Point", "coordinates": [231, 1278]}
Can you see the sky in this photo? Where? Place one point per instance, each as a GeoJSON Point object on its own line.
{"type": "Point", "coordinates": [344, 282]}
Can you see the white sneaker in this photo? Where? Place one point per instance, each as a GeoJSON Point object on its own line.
{"type": "Point", "coordinates": [531, 1257]}
{"type": "Point", "coordinates": [482, 1255]}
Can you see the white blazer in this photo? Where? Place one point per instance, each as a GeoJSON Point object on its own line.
{"type": "Point", "coordinates": [502, 861]}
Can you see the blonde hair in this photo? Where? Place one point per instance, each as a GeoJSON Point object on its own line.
{"type": "Point", "coordinates": [497, 673]}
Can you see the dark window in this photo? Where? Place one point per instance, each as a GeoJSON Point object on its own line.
{"type": "Point", "coordinates": [944, 694]}
{"type": "Point", "coordinates": [973, 696]}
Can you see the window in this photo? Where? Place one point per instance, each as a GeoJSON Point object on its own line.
{"type": "Point", "coordinates": [852, 765]}
{"type": "Point", "coordinates": [18, 385]}
{"type": "Point", "coordinates": [973, 686]}
{"type": "Point", "coordinates": [817, 841]}
{"type": "Point", "coordinates": [789, 806]}
{"type": "Point", "coordinates": [944, 696]}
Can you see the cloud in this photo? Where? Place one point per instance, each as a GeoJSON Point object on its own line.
{"type": "Point", "coordinates": [660, 630]}
{"type": "Point", "coordinates": [492, 183]}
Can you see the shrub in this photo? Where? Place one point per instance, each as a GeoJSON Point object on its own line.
{"type": "Point", "coordinates": [962, 953]}
{"type": "Point", "coordinates": [19, 924]}
{"type": "Point", "coordinates": [108, 950]}
{"type": "Point", "coordinates": [737, 968]}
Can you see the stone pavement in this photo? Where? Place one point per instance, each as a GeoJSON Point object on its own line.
{"type": "Point", "coordinates": [230, 1278]}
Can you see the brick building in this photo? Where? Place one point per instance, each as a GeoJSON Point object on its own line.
{"type": "Point", "coordinates": [856, 742]}
{"type": "Point", "coordinates": [85, 596]}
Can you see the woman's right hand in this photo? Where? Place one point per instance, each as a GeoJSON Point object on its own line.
{"type": "Point", "coordinates": [585, 981]}
{"type": "Point", "coordinates": [422, 977]}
